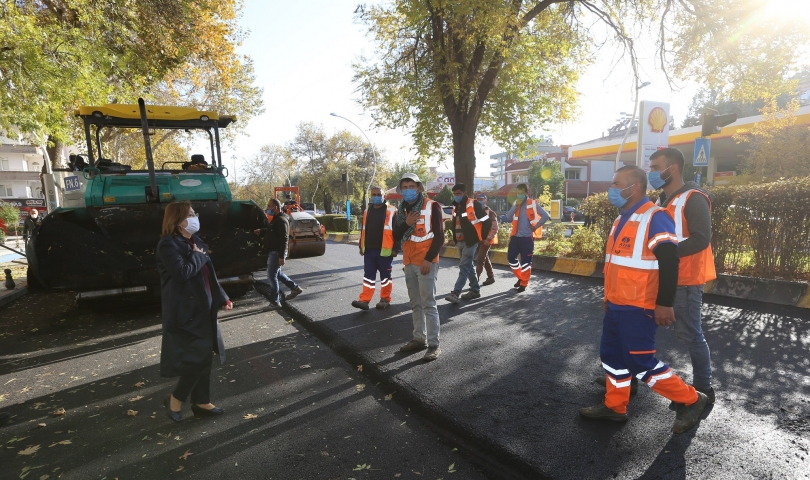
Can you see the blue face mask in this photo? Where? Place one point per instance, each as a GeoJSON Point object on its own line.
{"type": "Point", "coordinates": [522, 196]}
{"type": "Point", "coordinates": [655, 180]}
{"type": "Point", "coordinates": [409, 195]}
{"type": "Point", "coordinates": [458, 198]}
{"type": "Point", "coordinates": [269, 212]}
{"type": "Point", "coordinates": [376, 199]}
{"type": "Point", "coordinates": [615, 196]}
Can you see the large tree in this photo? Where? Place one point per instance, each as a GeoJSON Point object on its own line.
{"type": "Point", "coordinates": [449, 70]}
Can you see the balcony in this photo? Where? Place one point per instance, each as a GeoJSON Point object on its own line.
{"type": "Point", "coordinates": [19, 176]}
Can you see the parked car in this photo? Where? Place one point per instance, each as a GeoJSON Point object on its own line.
{"type": "Point", "coordinates": [306, 236]}
{"type": "Point", "coordinates": [447, 212]}
{"type": "Point", "coordinates": [578, 216]}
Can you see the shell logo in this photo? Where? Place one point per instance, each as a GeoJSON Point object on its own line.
{"type": "Point", "coordinates": [657, 119]}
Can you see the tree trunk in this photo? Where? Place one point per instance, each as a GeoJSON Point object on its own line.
{"type": "Point", "coordinates": [327, 203]}
{"type": "Point", "coordinates": [55, 152]}
{"type": "Point", "coordinates": [464, 158]}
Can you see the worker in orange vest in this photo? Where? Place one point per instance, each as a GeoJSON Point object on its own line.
{"type": "Point", "coordinates": [641, 275]}
{"type": "Point", "coordinates": [691, 209]}
{"type": "Point", "coordinates": [378, 249]}
{"type": "Point", "coordinates": [491, 238]}
{"type": "Point", "coordinates": [420, 227]}
{"type": "Point", "coordinates": [471, 226]}
{"type": "Point", "coordinates": [527, 224]}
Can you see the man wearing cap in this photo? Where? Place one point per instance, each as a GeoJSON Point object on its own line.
{"type": "Point", "coordinates": [527, 224]}
{"type": "Point", "coordinates": [419, 228]}
{"type": "Point", "coordinates": [32, 222]}
{"type": "Point", "coordinates": [491, 238]}
{"type": "Point", "coordinates": [378, 249]}
{"type": "Point", "coordinates": [471, 225]}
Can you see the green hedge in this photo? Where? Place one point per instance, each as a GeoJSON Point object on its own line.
{"type": "Point", "coordinates": [340, 224]}
{"type": "Point", "coordinates": [328, 221]}
{"type": "Point", "coordinates": [760, 230]}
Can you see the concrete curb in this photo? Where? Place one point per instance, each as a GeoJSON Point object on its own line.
{"type": "Point", "coordinates": [6, 298]}
{"type": "Point", "coordinates": [343, 238]}
{"type": "Point", "coordinates": [779, 292]}
{"type": "Point", "coordinates": [495, 457]}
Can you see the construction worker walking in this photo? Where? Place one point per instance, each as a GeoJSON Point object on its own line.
{"type": "Point", "coordinates": [471, 224]}
{"type": "Point", "coordinates": [641, 276]}
{"type": "Point", "coordinates": [527, 224]}
{"type": "Point", "coordinates": [419, 227]}
{"type": "Point", "coordinates": [378, 249]}
{"type": "Point", "coordinates": [491, 238]}
{"type": "Point", "coordinates": [690, 208]}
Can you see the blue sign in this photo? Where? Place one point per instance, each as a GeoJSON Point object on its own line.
{"type": "Point", "coordinates": [702, 148]}
{"type": "Point", "coordinates": [348, 210]}
{"type": "Point", "coordinates": [72, 183]}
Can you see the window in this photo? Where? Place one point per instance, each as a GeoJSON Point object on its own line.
{"type": "Point", "coordinates": [3, 164]}
{"type": "Point", "coordinates": [5, 191]}
{"type": "Point", "coordinates": [572, 173]}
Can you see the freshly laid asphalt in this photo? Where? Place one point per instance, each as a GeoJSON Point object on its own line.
{"type": "Point", "coordinates": [515, 369]}
{"type": "Point", "coordinates": [294, 410]}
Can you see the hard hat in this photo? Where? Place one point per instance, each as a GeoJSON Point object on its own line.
{"type": "Point", "coordinates": [410, 176]}
{"type": "Point", "coordinates": [481, 195]}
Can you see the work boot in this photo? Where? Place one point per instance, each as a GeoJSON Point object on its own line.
{"type": "Point", "coordinates": [383, 304]}
{"type": "Point", "coordinates": [413, 345]}
{"type": "Point", "coordinates": [488, 281]}
{"type": "Point", "coordinates": [294, 293]}
{"type": "Point", "coordinates": [432, 353]}
{"type": "Point", "coordinates": [520, 289]}
{"type": "Point", "coordinates": [452, 297]}
{"type": "Point", "coordinates": [471, 295]}
{"type": "Point", "coordinates": [517, 284]}
{"type": "Point", "coordinates": [275, 306]}
{"type": "Point", "coordinates": [709, 394]}
{"type": "Point", "coordinates": [601, 412]}
{"type": "Point", "coordinates": [360, 305]}
{"type": "Point", "coordinates": [688, 416]}
{"type": "Point", "coordinates": [633, 383]}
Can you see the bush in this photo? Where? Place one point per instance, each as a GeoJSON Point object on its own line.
{"type": "Point", "coordinates": [587, 243]}
{"type": "Point", "coordinates": [2, 236]}
{"type": "Point", "coordinates": [554, 242]}
{"type": "Point", "coordinates": [10, 215]}
{"type": "Point", "coordinates": [504, 232]}
{"type": "Point", "coordinates": [328, 221]}
{"type": "Point", "coordinates": [341, 222]}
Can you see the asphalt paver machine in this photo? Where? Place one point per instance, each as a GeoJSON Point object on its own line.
{"type": "Point", "coordinates": [101, 238]}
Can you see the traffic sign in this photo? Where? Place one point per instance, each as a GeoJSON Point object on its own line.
{"type": "Point", "coordinates": [702, 149]}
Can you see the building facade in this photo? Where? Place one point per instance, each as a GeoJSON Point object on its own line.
{"type": "Point", "coordinates": [501, 161]}
{"type": "Point", "coordinates": [20, 166]}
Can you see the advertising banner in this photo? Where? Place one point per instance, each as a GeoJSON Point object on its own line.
{"type": "Point", "coordinates": [653, 131]}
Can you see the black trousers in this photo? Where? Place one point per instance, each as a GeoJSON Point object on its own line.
{"type": "Point", "coordinates": [199, 386]}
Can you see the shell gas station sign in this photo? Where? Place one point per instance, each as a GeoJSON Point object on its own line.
{"type": "Point", "coordinates": [653, 131]}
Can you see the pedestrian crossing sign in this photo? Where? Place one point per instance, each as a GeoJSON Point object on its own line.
{"type": "Point", "coordinates": [702, 149]}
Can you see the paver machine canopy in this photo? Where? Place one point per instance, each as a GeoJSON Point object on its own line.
{"type": "Point", "coordinates": [104, 233]}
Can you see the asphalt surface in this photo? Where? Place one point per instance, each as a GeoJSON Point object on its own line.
{"type": "Point", "coordinates": [294, 410]}
{"type": "Point", "coordinates": [516, 368]}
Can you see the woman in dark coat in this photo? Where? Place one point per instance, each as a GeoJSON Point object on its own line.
{"type": "Point", "coordinates": [190, 297]}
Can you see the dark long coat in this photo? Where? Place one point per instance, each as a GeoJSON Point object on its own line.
{"type": "Point", "coordinates": [191, 331]}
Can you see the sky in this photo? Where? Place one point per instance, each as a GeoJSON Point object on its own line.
{"type": "Point", "coordinates": [303, 52]}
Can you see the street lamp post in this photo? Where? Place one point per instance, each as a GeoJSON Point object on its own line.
{"type": "Point", "coordinates": [373, 153]}
{"type": "Point", "coordinates": [629, 126]}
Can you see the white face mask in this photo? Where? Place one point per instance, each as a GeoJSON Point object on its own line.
{"type": "Point", "coordinates": [193, 225]}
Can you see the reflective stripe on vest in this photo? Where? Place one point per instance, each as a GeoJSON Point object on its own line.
{"type": "Point", "coordinates": [387, 247]}
{"type": "Point", "coordinates": [631, 269]}
{"type": "Point", "coordinates": [416, 247]}
{"type": "Point", "coordinates": [422, 232]}
{"type": "Point", "coordinates": [698, 268]}
{"type": "Point", "coordinates": [475, 221]}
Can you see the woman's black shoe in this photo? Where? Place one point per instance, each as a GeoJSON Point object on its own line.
{"type": "Point", "coordinates": [202, 412]}
{"type": "Point", "coordinates": [174, 416]}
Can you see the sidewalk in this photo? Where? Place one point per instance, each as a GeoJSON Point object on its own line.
{"type": "Point", "coordinates": [516, 368]}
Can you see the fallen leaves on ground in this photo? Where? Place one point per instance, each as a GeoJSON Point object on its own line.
{"type": "Point", "coordinates": [304, 367]}
{"type": "Point", "coordinates": [132, 413]}
{"type": "Point", "coordinates": [363, 466]}
{"type": "Point", "coordinates": [325, 454]}
{"type": "Point", "coordinates": [250, 416]}
{"type": "Point", "coordinates": [135, 399]}
{"type": "Point", "coordinates": [361, 387]}
{"type": "Point", "coordinates": [180, 468]}
{"type": "Point", "coordinates": [359, 368]}
{"type": "Point", "coordinates": [389, 396]}
{"type": "Point", "coordinates": [59, 412]}
{"type": "Point", "coordinates": [186, 455]}
{"type": "Point", "coordinates": [452, 468]}
{"type": "Point", "coordinates": [29, 451]}
{"type": "Point", "coordinates": [42, 425]}
{"type": "Point", "coordinates": [63, 442]}
{"type": "Point", "coordinates": [27, 470]}
{"type": "Point", "coordinates": [140, 384]}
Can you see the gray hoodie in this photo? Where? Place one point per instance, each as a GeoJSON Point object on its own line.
{"type": "Point", "coordinates": [698, 218]}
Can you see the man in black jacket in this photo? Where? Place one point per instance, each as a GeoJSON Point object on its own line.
{"type": "Point", "coordinates": [32, 222]}
{"type": "Point", "coordinates": [471, 227]}
{"type": "Point", "coordinates": [276, 239]}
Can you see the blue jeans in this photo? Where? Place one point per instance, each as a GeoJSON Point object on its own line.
{"type": "Point", "coordinates": [274, 275]}
{"type": "Point", "coordinates": [422, 293]}
{"type": "Point", "coordinates": [466, 268]}
{"type": "Point", "coordinates": [688, 302]}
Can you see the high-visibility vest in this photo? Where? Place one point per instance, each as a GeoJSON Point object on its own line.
{"type": "Point", "coordinates": [698, 268]}
{"type": "Point", "coordinates": [417, 246]}
{"type": "Point", "coordinates": [631, 269]}
{"type": "Point", "coordinates": [534, 218]}
{"type": "Point", "coordinates": [476, 222]}
{"type": "Point", "coordinates": [388, 231]}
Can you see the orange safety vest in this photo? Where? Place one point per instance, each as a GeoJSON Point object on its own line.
{"type": "Point", "coordinates": [534, 218]}
{"type": "Point", "coordinates": [477, 223]}
{"type": "Point", "coordinates": [698, 268]}
{"type": "Point", "coordinates": [388, 232]}
{"type": "Point", "coordinates": [417, 246]}
{"type": "Point", "coordinates": [631, 269]}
